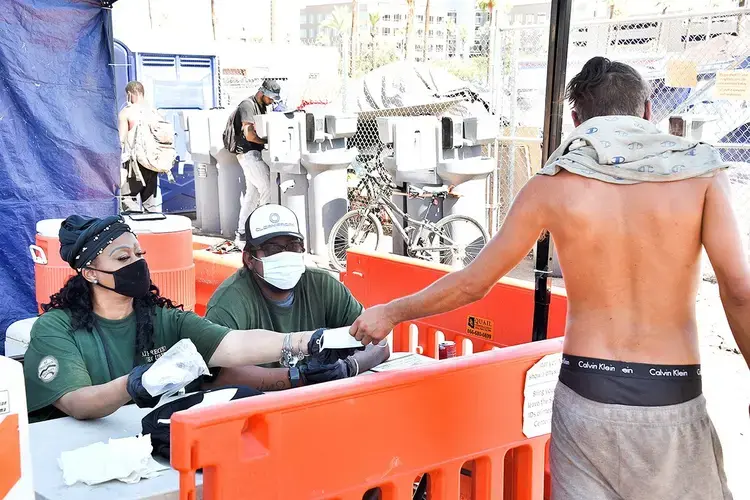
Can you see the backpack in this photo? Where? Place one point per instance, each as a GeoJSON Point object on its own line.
{"type": "Point", "coordinates": [229, 137]}
{"type": "Point", "coordinates": [153, 142]}
{"type": "Point", "coordinates": [157, 422]}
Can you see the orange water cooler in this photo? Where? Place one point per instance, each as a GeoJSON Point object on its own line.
{"type": "Point", "coordinates": [167, 241]}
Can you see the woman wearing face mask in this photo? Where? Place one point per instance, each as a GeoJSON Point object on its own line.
{"type": "Point", "coordinates": [100, 333]}
{"type": "Point", "coordinates": [275, 291]}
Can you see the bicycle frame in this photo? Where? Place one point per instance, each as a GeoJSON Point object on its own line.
{"type": "Point", "coordinates": [379, 200]}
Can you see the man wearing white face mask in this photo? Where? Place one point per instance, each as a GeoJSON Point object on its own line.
{"type": "Point", "coordinates": [275, 290]}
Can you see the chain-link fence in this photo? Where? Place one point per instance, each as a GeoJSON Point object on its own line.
{"type": "Point", "coordinates": [406, 61]}
{"type": "Point", "coordinates": [697, 66]}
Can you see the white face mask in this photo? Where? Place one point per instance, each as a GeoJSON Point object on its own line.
{"type": "Point", "coordinates": [283, 270]}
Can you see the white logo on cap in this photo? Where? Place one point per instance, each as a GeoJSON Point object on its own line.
{"type": "Point", "coordinates": [48, 368]}
{"type": "Point", "coordinates": [274, 218]}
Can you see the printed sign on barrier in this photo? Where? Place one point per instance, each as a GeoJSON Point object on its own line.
{"type": "Point", "coordinates": [541, 380]}
{"type": "Point", "coordinates": [480, 327]}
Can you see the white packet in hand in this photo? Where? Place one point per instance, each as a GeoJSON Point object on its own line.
{"type": "Point", "coordinates": [339, 338]}
{"type": "Point", "coordinates": [175, 369]}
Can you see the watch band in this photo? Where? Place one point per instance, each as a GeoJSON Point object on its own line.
{"type": "Point", "coordinates": [294, 377]}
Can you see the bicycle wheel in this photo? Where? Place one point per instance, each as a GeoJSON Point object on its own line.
{"type": "Point", "coordinates": [351, 230]}
{"type": "Point", "coordinates": [455, 241]}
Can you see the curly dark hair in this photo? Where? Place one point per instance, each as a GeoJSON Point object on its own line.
{"type": "Point", "coordinates": [76, 297]}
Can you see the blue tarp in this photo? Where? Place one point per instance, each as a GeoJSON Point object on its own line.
{"type": "Point", "coordinates": [59, 149]}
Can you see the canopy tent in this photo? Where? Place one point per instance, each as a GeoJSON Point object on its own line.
{"type": "Point", "coordinates": [59, 148]}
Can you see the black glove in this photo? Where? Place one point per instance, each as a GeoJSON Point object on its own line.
{"type": "Point", "coordinates": [328, 356]}
{"type": "Point", "coordinates": [314, 372]}
{"type": "Point", "coordinates": [140, 395]}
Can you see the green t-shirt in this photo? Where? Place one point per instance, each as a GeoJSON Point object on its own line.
{"type": "Point", "coordinates": [320, 301]}
{"type": "Point", "coordinates": [59, 360]}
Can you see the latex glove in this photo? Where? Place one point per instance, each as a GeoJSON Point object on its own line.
{"type": "Point", "coordinates": [373, 325]}
{"type": "Point", "coordinates": [315, 372]}
{"type": "Point", "coordinates": [327, 356]}
{"type": "Point", "coordinates": [140, 395]}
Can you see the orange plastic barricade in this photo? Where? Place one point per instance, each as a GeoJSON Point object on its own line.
{"type": "Point", "coordinates": [338, 440]}
{"type": "Point", "coordinates": [503, 318]}
{"type": "Point", "coordinates": [210, 271]}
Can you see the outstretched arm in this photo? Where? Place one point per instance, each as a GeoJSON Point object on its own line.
{"type": "Point", "coordinates": [723, 244]}
{"type": "Point", "coordinates": [518, 234]}
{"type": "Point", "coordinates": [255, 347]}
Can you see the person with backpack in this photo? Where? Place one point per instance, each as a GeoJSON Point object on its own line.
{"type": "Point", "coordinates": [240, 138]}
{"type": "Point", "coordinates": [147, 142]}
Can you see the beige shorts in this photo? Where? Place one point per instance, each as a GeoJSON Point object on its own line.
{"type": "Point", "coordinates": [603, 451]}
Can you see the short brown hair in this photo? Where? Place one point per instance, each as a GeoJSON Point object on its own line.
{"type": "Point", "coordinates": [605, 87]}
{"type": "Point", "coordinates": [135, 87]}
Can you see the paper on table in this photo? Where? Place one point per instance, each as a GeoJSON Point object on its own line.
{"type": "Point", "coordinates": [339, 338]}
{"type": "Point", "coordinates": [408, 361]}
{"type": "Point", "coordinates": [128, 460]}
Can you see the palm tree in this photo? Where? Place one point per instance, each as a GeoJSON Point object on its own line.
{"type": "Point", "coordinates": [410, 30]}
{"type": "Point", "coordinates": [487, 6]}
{"type": "Point", "coordinates": [337, 23]}
{"type": "Point", "coordinates": [353, 48]}
{"type": "Point", "coordinates": [426, 30]}
{"type": "Point", "coordinates": [374, 20]}
{"type": "Point", "coordinates": [213, 16]}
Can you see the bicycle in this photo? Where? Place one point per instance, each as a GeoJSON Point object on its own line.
{"type": "Point", "coordinates": [455, 240]}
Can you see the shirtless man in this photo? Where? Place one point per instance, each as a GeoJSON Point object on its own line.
{"type": "Point", "coordinates": [629, 419]}
{"type": "Point", "coordinates": [137, 180]}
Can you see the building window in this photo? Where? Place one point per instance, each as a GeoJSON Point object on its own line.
{"type": "Point", "coordinates": [420, 32]}
{"type": "Point", "coordinates": [478, 18]}
{"type": "Point", "coordinates": [439, 48]}
{"type": "Point", "coordinates": [439, 33]}
{"type": "Point", "coordinates": [420, 18]}
{"type": "Point", "coordinates": [452, 16]}
{"type": "Point", "coordinates": [386, 31]}
{"type": "Point", "coordinates": [430, 48]}
{"type": "Point", "coordinates": [440, 19]}
{"type": "Point", "coordinates": [418, 47]}
{"type": "Point", "coordinates": [321, 18]}
{"type": "Point", "coordinates": [432, 19]}
{"type": "Point", "coordinates": [541, 18]}
{"type": "Point", "coordinates": [387, 17]}
{"type": "Point", "coordinates": [303, 33]}
{"type": "Point", "coordinates": [303, 18]}
{"type": "Point", "coordinates": [432, 33]}
{"type": "Point", "coordinates": [528, 19]}
{"type": "Point", "coordinates": [397, 17]}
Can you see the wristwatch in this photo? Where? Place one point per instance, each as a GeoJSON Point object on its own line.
{"type": "Point", "coordinates": [294, 377]}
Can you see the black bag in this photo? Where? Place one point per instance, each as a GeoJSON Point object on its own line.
{"type": "Point", "coordinates": [156, 423]}
{"type": "Point", "coordinates": [230, 136]}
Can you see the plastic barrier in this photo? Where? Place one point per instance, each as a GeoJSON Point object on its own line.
{"type": "Point", "coordinates": [15, 457]}
{"type": "Point", "coordinates": [503, 318]}
{"type": "Point", "coordinates": [210, 271]}
{"type": "Point", "coordinates": [372, 432]}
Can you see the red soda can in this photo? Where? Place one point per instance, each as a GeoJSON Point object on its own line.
{"type": "Point", "coordinates": [446, 349]}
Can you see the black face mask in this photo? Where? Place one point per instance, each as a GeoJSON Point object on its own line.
{"type": "Point", "coordinates": [133, 280]}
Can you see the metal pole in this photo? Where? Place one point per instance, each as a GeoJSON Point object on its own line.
{"type": "Point", "coordinates": [557, 61]}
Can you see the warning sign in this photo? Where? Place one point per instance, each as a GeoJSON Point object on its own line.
{"type": "Point", "coordinates": [538, 393]}
{"type": "Point", "coordinates": [732, 85]}
{"type": "Point", "coordinates": [480, 327]}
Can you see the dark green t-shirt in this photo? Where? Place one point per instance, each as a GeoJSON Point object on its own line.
{"type": "Point", "coordinates": [59, 360]}
{"type": "Point", "coordinates": [320, 301]}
